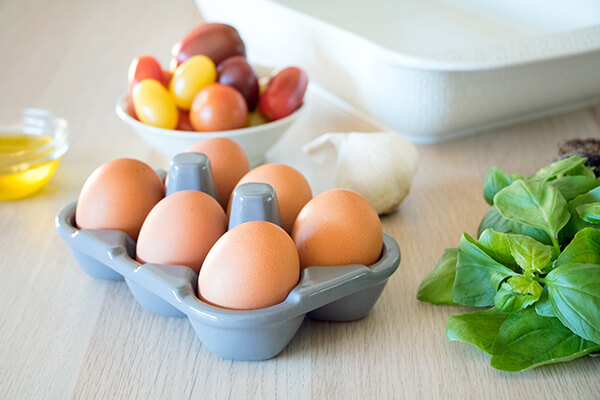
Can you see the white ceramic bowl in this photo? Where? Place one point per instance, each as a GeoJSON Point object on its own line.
{"type": "Point", "coordinates": [255, 140]}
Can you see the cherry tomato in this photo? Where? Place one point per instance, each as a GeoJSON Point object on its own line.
{"type": "Point", "coordinates": [218, 108]}
{"type": "Point", "coordinates": [217, 41]}
{"type": "Point", "coordinates": [189, 78]}
{"type": "Point", "coordinates": [184, 123]}
{"type": "Point", "coordinates": [154, 105]}
{"type": "Point", "coordinates": [129, 109]}
{"type": "Point", "coordinates": [144, 67]}
{"type": "Point", "coordinates": [255, 118]}
{"type": "Point", "coordinates": [263, 81]}
{"type": "Point", "coordinates": [237, 73]}
{"type": "Point", "coordinates": [167, 75]}
{"type": "Point", "coordinates": [284, 93]}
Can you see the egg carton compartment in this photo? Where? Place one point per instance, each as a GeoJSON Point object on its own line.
{"type": "Point", "coordinates": [340, 293]}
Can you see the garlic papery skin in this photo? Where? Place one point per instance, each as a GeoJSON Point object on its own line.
{"type": "Point", "coordinates": [380, 165]}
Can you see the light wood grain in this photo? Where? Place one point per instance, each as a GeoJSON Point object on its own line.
{"type": "Point", "coordinates": [66, 335]}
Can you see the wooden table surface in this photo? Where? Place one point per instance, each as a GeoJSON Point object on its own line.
{"type": "Point", "coordinates": [64, 334]}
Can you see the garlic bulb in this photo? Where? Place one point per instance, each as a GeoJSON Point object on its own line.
{"type": "Point", "coordinates": [380, 166]}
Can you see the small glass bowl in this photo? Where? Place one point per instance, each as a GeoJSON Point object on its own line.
{"type": "Point", "coordinates": [32, 143]}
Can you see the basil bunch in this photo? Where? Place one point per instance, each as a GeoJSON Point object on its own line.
{"type": "Point", "coordinates": [535, 269]}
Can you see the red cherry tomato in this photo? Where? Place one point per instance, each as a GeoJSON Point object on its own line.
{"type": "Point", "coordinates": [237, 73]}
{"type": "Point", "coordinates": [284, 94]}
{"type": "Point", "coordinates": [216, 41]}
{"type": "Point", "coordinates": [144, 67]}
{"type": "Point", "coordinates": [218, 108]}
{"type": "Point", "coordinates": [130, 109]}
{"type": "Point", "coordinates": [184, 123]}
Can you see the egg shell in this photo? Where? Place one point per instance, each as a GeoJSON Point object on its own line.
{"type": "Point", "coordinates": [254, 265]}
{"type": "Point", "coordinates": [291, 187]}
{"type": "Point", "coordinates": [338, 227]}
{"type": "Point", "coordinates": [228, 162]}
{"type": "Point", "coordinates": [181, 229]}
{"type": "Point", "coordinates": [119, 195]}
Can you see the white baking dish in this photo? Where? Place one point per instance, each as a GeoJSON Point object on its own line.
{"type": "Point", "coordinates": [432, 69]}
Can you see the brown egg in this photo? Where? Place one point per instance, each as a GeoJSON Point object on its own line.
{"type": "Point", "coordinates": [181, 229]}
{"type": "Point", "coordinates": [228, 162]}
{"type": "Point", "coordinates": [338, 227]}
{"type": "Point", "coordinates": [254, 265]}
{"type": "Point", "coordinates": [291, 187]}
{"type": "Point", "coordinates": [118, 195]}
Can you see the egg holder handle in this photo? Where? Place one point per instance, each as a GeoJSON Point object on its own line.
{"type": "Point", "coordinates": [342, 293]}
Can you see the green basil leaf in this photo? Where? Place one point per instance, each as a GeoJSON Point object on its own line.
{"type": "Point", "coordinates": [494, 220]}
{"type": "Point", "coordinates": [544, 307]}
{"type": "Point", "coordinates": [517, 293]}
{"type": "Point", "coordinates": [528, 253]}
{"type": "Point", "coordinates": [560, 167]}
{"type": "Point", "coordinates": [478, 275]}
{"type": "Point", "coordinates": [582, 170]}
{"type": "Point", "coordinates": [534, 203]}
{"type": "Point", "coordinates": [494, 181]}
{"type": "Point", "coordinates": [497, 245]}
{"type": "Point", "coordinates": [583, 249]}
{"type": "Point", "coordinates": [576, 223]}
{"type": "Point", "coordinates": [574, 291]}
{"type": "Point", "coordinates": [478, 328]}
{"type": "Point", "coordinates": [573, 186]}
{"type": "Point", "coordinates": [588, 171]}
{"type": "Point", "coordinates": [590, 213]}
{"type": "Point", "coordinates": [436, 288]}
{"type": "Point", "coordinates": [516, 249]}
{"type": "Point", "coordinates": [526, 340]}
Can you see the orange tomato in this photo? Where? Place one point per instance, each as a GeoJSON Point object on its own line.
{"type": "Point", "coordinates": [218, 108]}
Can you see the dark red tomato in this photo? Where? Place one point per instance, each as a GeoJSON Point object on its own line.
{"type": "Point", "coordinates": [218, 108]}
{"type": "Point", "coordinates": [216, 41]}
{"type": "Point", "coordinates": [144, 67]}
{"type": "Point", "coordinates": [184, 123]}
{"type": "Point", "coordinates": [237, 73]}
{"type": "Point", "coordinates": [284, 94]}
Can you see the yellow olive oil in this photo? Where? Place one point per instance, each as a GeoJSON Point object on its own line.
{"type": "Point", "coordinates": [23, 180]}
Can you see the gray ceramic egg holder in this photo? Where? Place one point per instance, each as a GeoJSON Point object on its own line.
{"type": "Point", "coordinates": [342, 293]}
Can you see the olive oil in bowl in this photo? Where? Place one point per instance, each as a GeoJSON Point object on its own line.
{"type": "Point", "coordinates": [31, 147]}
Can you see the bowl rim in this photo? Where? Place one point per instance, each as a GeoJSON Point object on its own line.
{"type": "Point", "coordinates": [128, 119]}
{"type": "Point", "coordinates": [32, 121]}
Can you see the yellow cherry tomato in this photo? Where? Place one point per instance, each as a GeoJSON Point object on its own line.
{"type": "Point", "coordinates": [154, 105]}
{"type": "Point", "coordinates": [189, 78]}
